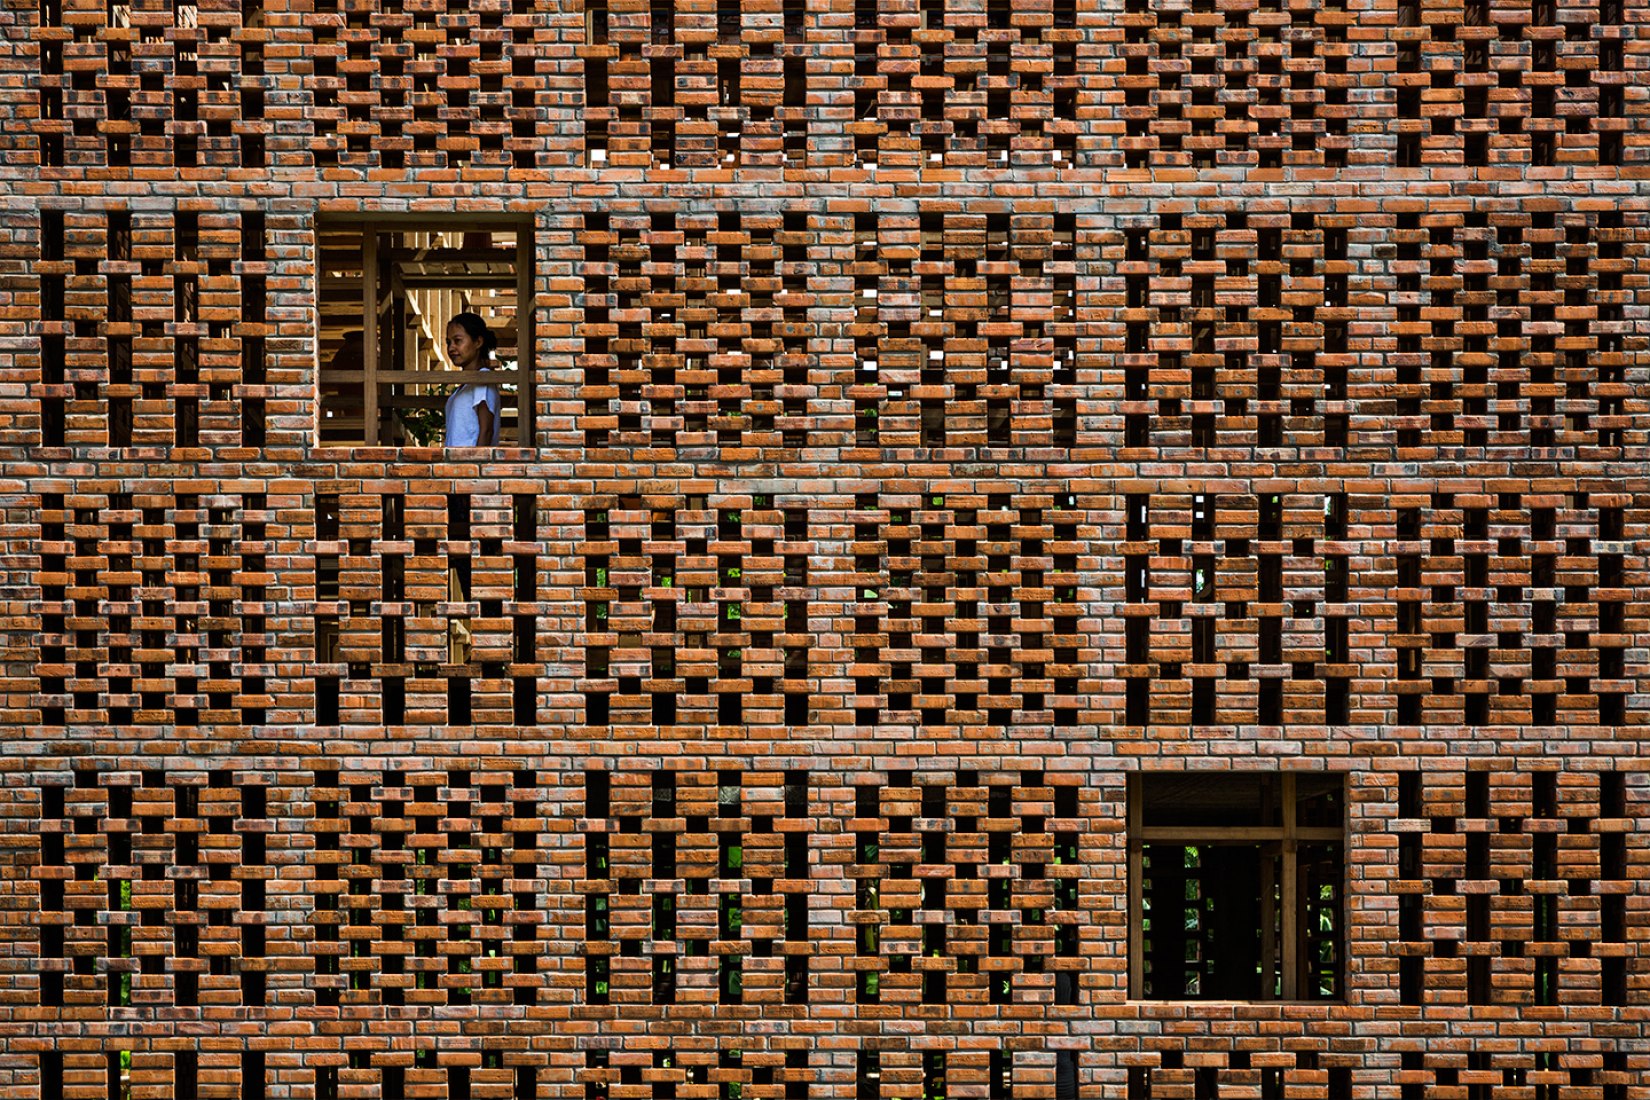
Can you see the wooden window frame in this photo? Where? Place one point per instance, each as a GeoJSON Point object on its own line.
{"type": "Point", "coordinates": [1289, 834]}
{"type": "Point", "coordinates": [372, 226]}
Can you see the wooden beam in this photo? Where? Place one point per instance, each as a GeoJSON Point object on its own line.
{"type": "Point", "coordinates": [425, 282]}
{"type": "Point", "coordinates": [433, 222]}
{"type": "Point", "coordinates": [1230, 834]}
{"type": "Point", "coordinates": [403, 254]}
{"type": "Point", "coordinates": [428, 377]}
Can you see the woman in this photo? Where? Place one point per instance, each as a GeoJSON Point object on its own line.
{"type": "Point", "coordinates": [472, 410]}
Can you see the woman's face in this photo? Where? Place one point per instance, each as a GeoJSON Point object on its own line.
{"type": "Point", "coordinates": [462, 349]}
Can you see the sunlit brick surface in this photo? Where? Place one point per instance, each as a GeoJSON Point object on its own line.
{"type": "Point", "coordinates": [1029, 517]}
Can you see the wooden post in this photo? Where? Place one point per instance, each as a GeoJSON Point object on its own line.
{"type": "Point", "coordinates": [525, 371]}
{"type": "Point", "coordinates": [396, 345]}
{"type": "Point", "coordinates": [369, 334]}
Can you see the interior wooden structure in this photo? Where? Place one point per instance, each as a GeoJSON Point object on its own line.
{"type": "Point", "coordinates": [388, 287]}
{"type": "Point", "coordinates": [1236, 886]}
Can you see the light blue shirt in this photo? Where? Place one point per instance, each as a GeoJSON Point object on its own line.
{"type": "Point", "coordinates": [463, 425]}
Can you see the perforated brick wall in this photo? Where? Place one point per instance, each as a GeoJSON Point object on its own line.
{"type": "Point", "coordinates": [946, 415]}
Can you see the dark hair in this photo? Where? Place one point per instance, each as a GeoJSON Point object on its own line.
{"type": "Point", "coordinates": [478, 330]}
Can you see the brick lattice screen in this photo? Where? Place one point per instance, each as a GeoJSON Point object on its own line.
{"type": "Point", "coordinates": [1019, 518]}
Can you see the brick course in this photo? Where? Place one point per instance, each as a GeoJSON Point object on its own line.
{"type": "Point", "coordinates": [944, 411]}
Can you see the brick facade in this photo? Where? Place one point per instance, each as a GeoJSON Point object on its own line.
{"type": "Point", "coordinates": [943, 411]}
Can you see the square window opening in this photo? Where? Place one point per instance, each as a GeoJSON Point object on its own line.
{"type": "Point", "coordinates": [389, 288]}
{"type": "Point", "coordinates": [1237, 886]}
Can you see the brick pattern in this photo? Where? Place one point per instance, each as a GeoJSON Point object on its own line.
{"type": "Point", "coordinates": [696, 890]}
{"type": "Point", "coordinates": [786, 1073]}
{"type": "Point", "coordinates": [1240, 335]}
{"type": "Point", "coordinates": [154, 328]}
{"type": "Point", "coordinates": [154, 894]}
{"type": "Point", "coordinates": [966, 330]}
{"type": "Point", "coordinates": [154, 610]}
{"type": "Point", "coordinates": [1520, 85]}
{"type": "Point", "coordinates": [748, 331]}
{"type": "Point", "coordinates": [426, 889]}
{"type": "Point", "coordinates": [1170, 1073]}
{"type": "Point", "coordinates": [696, 611]}
{"type": "Point", "coordinates": [967, 608]}
{"type": "Point", "coordinates": [943, 411]}
{"type": "Point", "coordinates": [695, 87]}
{"type": "Point", "coordinates": [1542, 376]}
{"type": "Point", "coordinates": [1233, 613]}
{"type": "Point", "coordinates": [427, 608]}
{"type": "Point", "coordinates": [182, 85]}
{"type": "Point", "coordinates": [622, 894]}
{"type": "Point", "coordinates": [1264, 609]}
{"type": "Point", "coordinates": [1265, 87]}
{"type": "Point", "coordinates": [966, 893]}
{"type": "Point", "coordinates": [1513, 889]}
{"type": "Point", "coordinates": [426, 86]}
{"type": "Point", "coordinates": [1179, 605]}
{"type": "Point", "coordinates": [696, 332]}
{"type": "Point", "coordinates": [1176, 1073]}
{"type": "Point", "coordinates": [1573, 663]}
{"type": "Point", "coordinates": [877, 85]}
{"type": "Point", "coordinates": [948, 88]}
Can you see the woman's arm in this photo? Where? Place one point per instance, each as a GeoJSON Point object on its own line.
{"type": "Point", "coordinates": [484, 426]}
